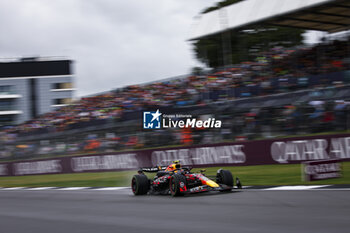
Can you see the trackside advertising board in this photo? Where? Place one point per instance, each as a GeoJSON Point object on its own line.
{"type": "Point", "coordinates": [321, 170]}
{"type": "Point", "coordinates": [243, 153]}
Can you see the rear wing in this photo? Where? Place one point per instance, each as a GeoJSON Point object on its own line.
{"type": "Point", "coordinates": [152, 169]}
{"type": "Point", "coordinates": [158, 168]}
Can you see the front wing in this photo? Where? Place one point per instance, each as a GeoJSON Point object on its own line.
{"type": "Point", "coordinates": [207, 188]}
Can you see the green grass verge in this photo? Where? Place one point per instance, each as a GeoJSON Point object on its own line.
{"type": "Point", "coordinates": [289, 174]}
{"type": "Point", "coordinates": [98, 179]}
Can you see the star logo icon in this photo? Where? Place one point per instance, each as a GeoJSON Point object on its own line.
{"type": "Point", "coordinates": [156, 115]}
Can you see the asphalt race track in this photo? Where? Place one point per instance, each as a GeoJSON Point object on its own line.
{"type": "Point", "coordinates": [119, 211]}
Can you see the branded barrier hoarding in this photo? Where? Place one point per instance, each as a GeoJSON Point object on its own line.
{"type": "Point", "coordinates": [321, 170]}
{"type": "Point", "coordinates": [278, 151]}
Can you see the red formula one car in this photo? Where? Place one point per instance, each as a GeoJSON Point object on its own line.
{"type": "Point", "coordinates": [179, 181]}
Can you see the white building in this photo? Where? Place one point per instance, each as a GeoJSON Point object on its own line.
{"type": "Point", "coordinates": [30, 87]}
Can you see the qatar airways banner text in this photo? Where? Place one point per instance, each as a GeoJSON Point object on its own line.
{"type": "Point", "coordinates": [278, 151]}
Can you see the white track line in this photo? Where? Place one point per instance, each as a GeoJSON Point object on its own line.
{"type": "Point", "coordinates": [73, 188]}
{"type": "Point", "coordinates": [110, 188]}
{"type": "Point", "coordinates": [297, 187]}
{"type": "Point", "coordinates": [40, 188]}
{"type": "Point", "coordinates": [13, 188]}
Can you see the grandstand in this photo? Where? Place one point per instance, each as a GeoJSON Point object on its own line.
{"type": "Point", "coordinates": [321, 15]}
{"type": "Point", "coordinates": [282, 91]}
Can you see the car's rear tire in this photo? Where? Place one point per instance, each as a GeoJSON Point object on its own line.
{"type": "Point", "coordinates": [177, 185]}
{"type": "Point", "coordinates": [224, 177]}
{"type": "Point", "coordinates": [140, 184]}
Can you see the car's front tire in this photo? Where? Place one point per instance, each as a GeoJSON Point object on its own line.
{"type": "Point", "coordinates": [224, 177]}
{"type": "Point", "coordinates": [177, 185]}
{"type": "Point", "coordinates": [140, 184]}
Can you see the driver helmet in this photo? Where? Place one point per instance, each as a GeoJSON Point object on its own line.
{"type": "Point", "coordinates": [174, 166]}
